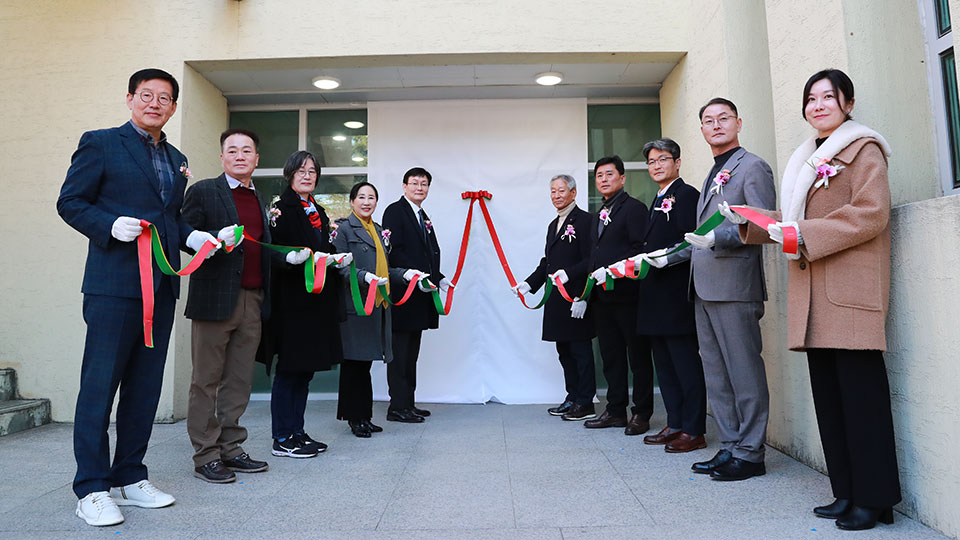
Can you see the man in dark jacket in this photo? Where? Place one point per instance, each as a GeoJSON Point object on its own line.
{"type": "Point", "coordinates": [618, 233]}
{"type": "Point", "coordinates": [415, 246]}
{"type": "Point", "coordinates": [665, 313]}
{"type": "Point", "coordinates": [570, 326]}
{"type": "Point", "coordinates": [226, 304]}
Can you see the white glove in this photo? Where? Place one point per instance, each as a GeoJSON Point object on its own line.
{"type": "Point", "coordinates": [620, 266]}
{"type": "Point", "coordinates": [731, 216]}
{"type": "Point", "coordinates": [347, 258]}
{"type": "Point", "coordinates": [197, 239]}
{"type": "Point", "coordinates": [229, 235]}
{"type": "Point", "coordinates": [318, 254]}
{"type": "Point", "coordinates": [775, 230]}
{"type": "Point", "coordinates": [408, 275]}
{"type": "Point", "coordinates": [298, 257]}
{"type": "Point", "coordinates": [446, 284]}
{"type": "Point", "coordinates": [656, 262]}
{"type": "Point", "coordinates": [370, 276]}
{"type": "Point", "coordinates": [599, 275]}
{"type": "Point", "coordinates": [705, 242]}
{"type": "Point", "coordinates": [578, 308]}
{"type": "Point", "coordinates": [520, 288]}
{"type": "Point", "coordinates": [561, 275]}
{"type": "Point", "coordinates": [126, 229]}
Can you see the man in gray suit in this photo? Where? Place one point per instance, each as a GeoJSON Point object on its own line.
{"type": "Point", "coordinates": [728, 291]}
{"type": "Point", "coordinates": [226, 303]}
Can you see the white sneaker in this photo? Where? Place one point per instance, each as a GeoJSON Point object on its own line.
{"type": "Point", "coordinates": [99, 510]}
{"type": "Point", "coordinates": [142, 494]}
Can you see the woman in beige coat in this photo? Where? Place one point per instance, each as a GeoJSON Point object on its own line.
{"type": "Point", "coordinates": [835, 193]}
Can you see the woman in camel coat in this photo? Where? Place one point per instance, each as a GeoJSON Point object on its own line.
{"type": "Point", "coordinates": [836, 194]}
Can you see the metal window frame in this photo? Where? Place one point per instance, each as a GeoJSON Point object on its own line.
{"type": "Point", "coordinates": [935, 45]}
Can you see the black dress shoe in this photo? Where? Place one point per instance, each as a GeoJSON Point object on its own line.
{"type": "Point", "coordinates": [244, 463]}
{"type": "Point", "coordinates": [421, 412]}
{"type": "Point", "coordinates": [707, 467]}
{"type": "Point", "coordinates": [738, 469]}
{"type": "Point", "coordinates": [215, 472]}
{"type": "Point", "coordinates": [861, 519]}
{"type": "Point", "coordinates": [359, 429]}
{"type": "Point", "coordinates": [406, 416]}
{"type": "Point", "coordinates": [606, 420]}
{"type": "Point", "coordinates": [561, 409]}
{"type": "Point", "coordinates": [580, 412]}
{"type": "Point", "coordinates": [373, 428]}
{"type": "Point", "coordinates": [833, 510]}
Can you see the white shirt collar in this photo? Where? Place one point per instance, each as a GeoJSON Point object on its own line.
{"type": "Point", "coordinates": [415, 206]}
{"type": "Point", "coordinates": [234, 183]}
{"type": "Point", "coordinates": [666, 187]}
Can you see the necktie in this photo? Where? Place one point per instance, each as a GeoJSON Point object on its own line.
{"type": "Point", "coordinates": [423, 225]}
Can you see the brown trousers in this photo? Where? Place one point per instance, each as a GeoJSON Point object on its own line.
{"type": "Point", "coordinates": [223, 357]}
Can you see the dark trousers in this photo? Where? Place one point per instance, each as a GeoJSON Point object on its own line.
{"type": "Point", "coordinates": [355, 401]}
{"type": "Point", "coordinates": [114, 356]}
{"type": "Point", "coordinates": [620, 346]}
{"type": "Point", "coordinates": [288, 401]}
{"type": "Point", "coordinates": [852, 398]}
{"type": "Point", "coordinates": [579, 377]}
{"type": "Point", "coordinates": [680, 373]}
{"type": "Point", "coordinates": [402, 370]}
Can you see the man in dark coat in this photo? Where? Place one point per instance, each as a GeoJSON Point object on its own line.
{"type": "Point", "coordinates": [618, 233]}
{"type": "Point", "coordinates": [116, 178]}
{"type": "Point", "coordinates": [226, 303]}
{"type": "Point", "coordinates": [665, 312]}
{"type": "Point", "coordinates": [415, 246]}
{"type": "Point", "coordinates": [566, 255]}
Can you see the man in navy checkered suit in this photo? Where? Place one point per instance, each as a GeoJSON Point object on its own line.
{"type": "Point", "coordinates": [116, 178]}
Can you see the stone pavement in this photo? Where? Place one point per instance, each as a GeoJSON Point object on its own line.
{"type": "Point", "coordinates": [478, 472]}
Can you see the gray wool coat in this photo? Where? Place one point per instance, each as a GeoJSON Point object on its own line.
{"type": "Point", "coordinates": [364, 337]}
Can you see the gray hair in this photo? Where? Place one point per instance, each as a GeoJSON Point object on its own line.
{"type": "Point", "coordinates": [571, 183]}
{"type": "Point", "coordinates": [664, 145]}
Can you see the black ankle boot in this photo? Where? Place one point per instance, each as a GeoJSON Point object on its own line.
{"type": "Point", "coordinates": [834, 510]}
{"type": "Point", "coordinates": [860, 518]}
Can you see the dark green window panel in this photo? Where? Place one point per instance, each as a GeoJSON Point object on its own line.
{"type": "Point", "coordinates": [943, 16]}
{"type": "Point", "coordinates": [621, 130]}
{"type": "Point", "coordinates": [335, 144]}
{"type": "Point", "coordinates": [948, 69]}
{"type": "Point", "coordinates": [277, 131]}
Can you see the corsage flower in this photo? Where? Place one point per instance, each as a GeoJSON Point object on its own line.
{"type": "Point", "coordinates": [185, 171]}
{"type": "Point", "coordinates": [333, 231]}
{"type": "Point", "coordinates": [428, 225]}
{"type": "Point", "coordinates": [605, 216]}
{"type": "Point", "coordinates": [666, 205]}
{"type": "Point", "coordinates": [825, 171]}
{"type": "Point", "coordinates": [385, 235]}
{"type": "Point", "coordinates": [719, 181]}
{"type": "Point", "coordinates": [569, 234]}
{"type": "Point", "coordinates": [273, 212]}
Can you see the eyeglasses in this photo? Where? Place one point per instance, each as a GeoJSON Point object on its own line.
{"type": "Point", "coordinates": [418, 184]}
{"type": "Point", "coordinates": [146, 96]}
{"type": "Point", "coordinates": [662, 161]}
{"type": "Point", "coordinates": [306, 173]}
{"type": "Point", "coordinates": [710, 122]}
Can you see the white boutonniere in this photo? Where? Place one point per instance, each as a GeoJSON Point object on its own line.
{"type": "Point", "coordinates": [569, 234]}
{"type": "Point", "coordinates": [719, 181]}
{"type": "Point", "coordinates": [825, 171]}
{"type": "Point", "coordinates": [605, 216]}
{"type": "Point", "coordinates": [385, 236]}
{"type": "Point", "coordinates": [666, 205]}
{"type": "Point", "coordinates": [273, 212]}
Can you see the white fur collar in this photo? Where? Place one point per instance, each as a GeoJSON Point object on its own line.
{"type": "Point", "coordinates": [799, 177]}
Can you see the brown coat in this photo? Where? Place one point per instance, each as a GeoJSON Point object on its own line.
{"type": "Point", "coordinates": [840, 287]}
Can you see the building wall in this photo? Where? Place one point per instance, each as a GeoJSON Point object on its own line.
{"type": "Point", "coordinates": [66, 63]}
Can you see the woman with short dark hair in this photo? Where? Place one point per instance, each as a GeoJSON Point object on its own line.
{"type": "Point", "coordinates": [835, 193]}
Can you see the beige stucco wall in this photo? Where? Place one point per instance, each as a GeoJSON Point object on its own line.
{"type": "Point", "coordinates": [65, 65]}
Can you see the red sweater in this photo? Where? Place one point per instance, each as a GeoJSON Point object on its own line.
{"type": "Point", "coordinates": [248, 210]}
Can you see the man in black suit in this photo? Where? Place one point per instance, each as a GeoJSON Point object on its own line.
{"type": "Point", "coordinates": [117, 177]}
{"type": "Point", "coordinates": [618, 233]}
{"type": "Point", "coordinates": [665, 312]}
{"type": "Point", "coordinates": [570, 326]}
{"type": "Point", "coordinates": [227, 300]}
{"type": "Point", "coordinates": [415, 246]}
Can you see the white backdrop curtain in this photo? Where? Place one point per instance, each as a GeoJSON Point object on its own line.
{"type": "Point", "coordinates": [489, 347]}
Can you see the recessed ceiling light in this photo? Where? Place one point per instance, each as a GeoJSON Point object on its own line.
{"type": "Point", "coordinates": [326, 83]}
{"type": "Point", "coordinates": [353, 124]}
{"type": "Point", "coordinates": [358, 159]}
{"type": "Point", "coordinates": [549, 78]}
{"type": "Point", "coordinates": [339, 138]}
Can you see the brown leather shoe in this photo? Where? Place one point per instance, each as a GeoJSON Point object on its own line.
{"type": "Point", "coordinates": [636, 426]}
{"type": "Point", "coordinates": [663, 437]}
{"type": "Point", "coordinates": [685, 443]}
{"type": "Point", "coordinates": [605, 421]}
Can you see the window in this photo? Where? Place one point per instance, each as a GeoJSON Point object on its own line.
{"type": "Point", "coordinates": [622, 130]}
{"type": "Point", "coordinates": [942, 69]}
